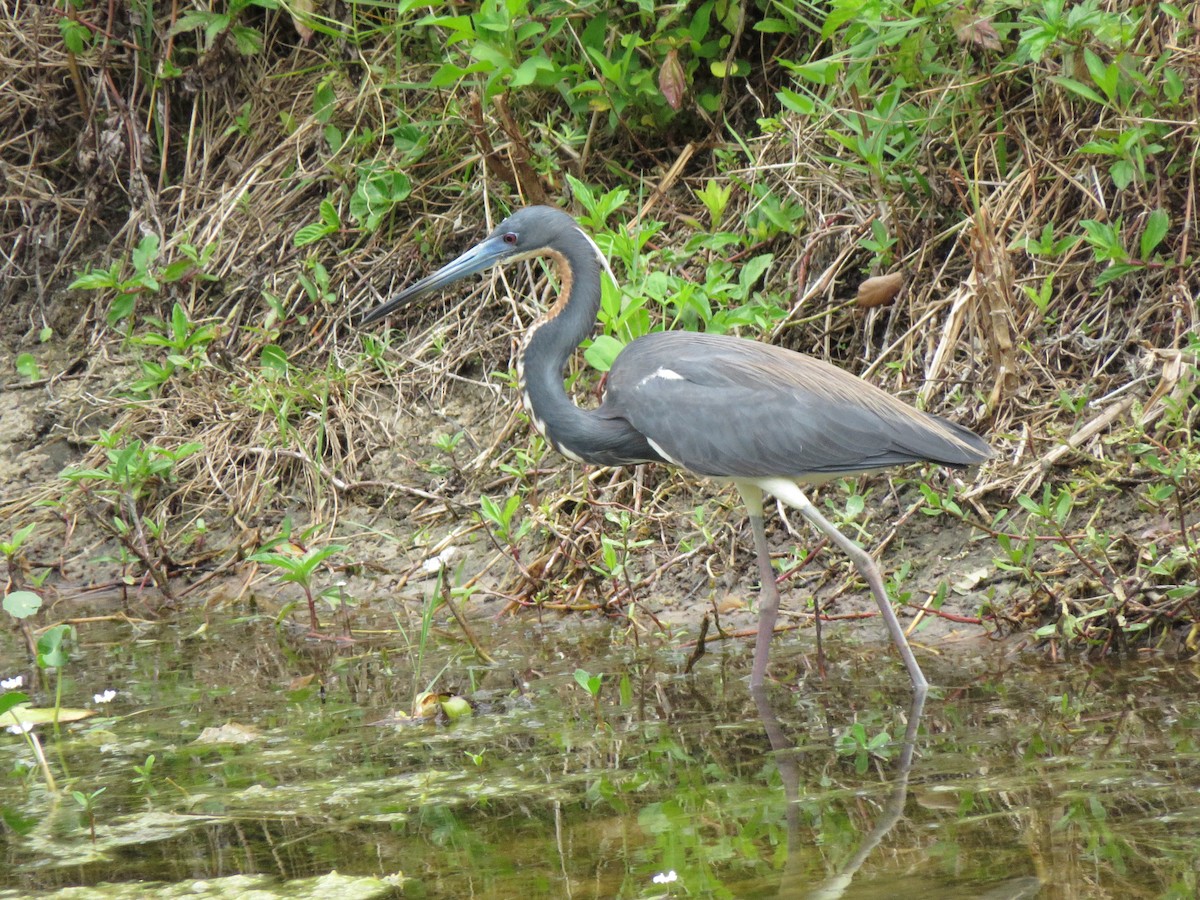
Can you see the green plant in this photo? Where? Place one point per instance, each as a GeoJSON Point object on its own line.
{"type": "Point", "coordinates": [27, 366]}
{"type": "Point", "coordinates": [615, 550]}
{"type": "Point", "coordinates": [330, 223]}
{"type": "Point", "coordinates": [318, 288]}
{"type": "Point", "coordinates": [880, 243]}
{"type": "Point", "coordinates": [379, 189]}
{"type": "Point", "coordinates": [500, 519]}
{"type": "Point", "coordinates": [87, 803]}
{"type": "Point", "coordinates": [1052, 25]}
{"type": "Point", "coordinates": [127, 487]}
{"type": "Point", "coordinates": [143, 778]}
{"type": "Point", "coordinates": [147, 277]}
{"type": "Point", "coordinates": [300, 567]}
{"type": "Point", "coordinates": [715, 198]}
{"type": "Point", "coordinates": [592, 684]}
{"type": "Point", "coordinates": [636, 66]}
{"type": "Point", "coordinates": [185, 344]}
{"type": "Point", "coordinates": [217, 27]}
{"type": "Point", "coordinates": [11, 550]}
{"type": "Point", "coordinates": [854, 742]}
{"type": "Point", "coordinates": [11, 702]}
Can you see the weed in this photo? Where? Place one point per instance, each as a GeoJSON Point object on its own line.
{"type": "Point", "coordinates": [854, 742]}
{"type": "Point", "coordinates": [13, 557]}
{"type": "Point", "coordinates": [143, 780]}
{"type": "Point", "coordinates": [87, 803]}
{"type": "Point", "coordinates": [297, 565]}
{"type": "Point", "coordinates": [120, 498]}
{"type": "Point", "coordinates": [216, 27]}
{"type": "Point", "coordinates": [184, 343]}
{"type": "Point", "coordinates": [147, 277]}
{"type": "Point", "coordinates": [592, 684]}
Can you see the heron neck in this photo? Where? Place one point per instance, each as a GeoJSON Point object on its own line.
{"type": "Point", "coordinates": [553, 339]}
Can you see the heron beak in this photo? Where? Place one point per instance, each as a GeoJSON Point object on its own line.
{"type": "Point", "coordinates": [482, 256]}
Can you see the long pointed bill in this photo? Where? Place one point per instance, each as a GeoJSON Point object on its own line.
{"type": "Point", "coordinates": [482, 256]}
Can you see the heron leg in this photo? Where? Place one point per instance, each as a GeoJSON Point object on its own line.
{"type": "Point", "coordinates": [768, 592]}
{"type": "Point", "coordinates": [789, 492]}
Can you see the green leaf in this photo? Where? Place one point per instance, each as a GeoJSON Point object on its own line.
{"type": "Point", "coordinates": [449, 74]}
{"type": "Point", "coordinates": [27, 366]}
{"type": "Point", "coordinates": [177, 270]}
{"type": "Point", "coordinates": [40, 715]}
{"type": "Point", "coordinates": [22, 604]}
{"type": "Point", "coordinates": [323, 102]}
{"type": "Point", "coordinates": [51, 652]}
{"type": "Point", "coordinates": [191, 21]}
{"type": "Point", "coordinates": [738, 67]}
{"type": "Point", "coordinates": [491, 511]}
{"type": "Point", "coordinates": [310, 234]}
{"type": "Point", "coordinates": [76, 37]}
{"type": "Point", "coordinates": [1076, 87]}
{"type": "Point", "coordinates": [1157, 225]}
{"type": "Point", "coordinates": [121, 308]}
{"type": "Point", "coordinates": [588, 681]}
{"type": "Point", "coordinates": [10, 700]}
{"type": "Point", "coordinates": [19, 537]}
{"type": "Point", "coordinates": [274, 359]}
{"type": "Point", "coordinates": [797, 103]}
{"type": "Point", "coordinates": [145, 253]}
{"type": "Point", "coordinates": [249, 41]}
{"type": "Point", "coordinates": [528, 71]}
{"type": "Point", "coordinates": [96, 280]}
{"type": "Point", "coordinates": [329, 214]}
{"type": "Point", "coordinates": [753, 270]}
{"type": "Point", "coordinates": [772, 25]}
{"type": "Point", "coordinates": [1029, 504]}
{"type": "Point", "coordinates": [602, 351]}
{"type": "Point", "coordinates": [456, 708]}
{"type": "Point", "coordinates": [1123, 173]}
{"type": "Point", "coordinates": [1115, 271]}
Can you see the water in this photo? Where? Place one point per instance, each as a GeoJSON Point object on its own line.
{"type": "Point", "coordinates": [1025, 780]}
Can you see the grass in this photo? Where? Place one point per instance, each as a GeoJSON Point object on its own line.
{"type": "Point", "coordinates": [1026, 170]}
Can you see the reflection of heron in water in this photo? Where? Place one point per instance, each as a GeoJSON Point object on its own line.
{"type": "Point", "coordinates": [795, 879]}
{"type": "Point", "coordinates": [789, 772]}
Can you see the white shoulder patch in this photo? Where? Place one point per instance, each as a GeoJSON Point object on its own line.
{"type": "Point", "coordinates": [662, 372]}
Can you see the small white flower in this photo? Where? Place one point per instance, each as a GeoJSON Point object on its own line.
{"type": "Point", "coordinates": [11, 684]}
{"type": "Point", "coordinates": [106, 697]}
{"type": "Point", "coordinates": [666, 877]}
{"type": "Point", "coordinates": [20, 728]}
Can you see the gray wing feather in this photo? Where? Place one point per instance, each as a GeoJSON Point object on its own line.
{"type": "Point", "coordinates": [725, 406]}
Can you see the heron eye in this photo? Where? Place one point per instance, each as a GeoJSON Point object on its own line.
{"type": "Point", "coordinates": [510, 238]}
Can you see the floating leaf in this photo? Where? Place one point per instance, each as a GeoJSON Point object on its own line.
{"type": "Point", "coordinates": [42, 716]}
{"type": "Point", "coordinates": [456, 708]}
{"type": "Point", "coordinates": [229, 733]}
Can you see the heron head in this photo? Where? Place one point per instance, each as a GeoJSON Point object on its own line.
{"type": "Point", "coordinates": [525, 233]}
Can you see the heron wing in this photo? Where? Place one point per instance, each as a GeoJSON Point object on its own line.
{"type": "Point", "coordinates": [726, 406]}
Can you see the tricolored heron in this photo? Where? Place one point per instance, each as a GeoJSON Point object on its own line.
{"type": "Point", "coordinates": [728, 408]}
